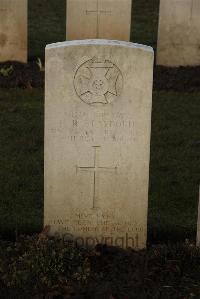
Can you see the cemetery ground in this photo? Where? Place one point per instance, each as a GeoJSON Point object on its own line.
{"type": "Point", "coordinates": [164, 271]}
{"type": "Point", "coordinates": [174, 169]}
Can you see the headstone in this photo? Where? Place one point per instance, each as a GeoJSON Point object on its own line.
{"type": "Point", "coordinates": [179, 33]}
{"type": "Point", "coordinates": [108, 19]}
{"type": "Point", "coordinates": [97, 141]}
{"type": "Point", "coordinates": [13, 30]}
{"type": "Point", "coordinates": [198, 223]}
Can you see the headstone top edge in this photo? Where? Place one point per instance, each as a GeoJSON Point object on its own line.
{"type": "Point", "coordinates": [104, 42]}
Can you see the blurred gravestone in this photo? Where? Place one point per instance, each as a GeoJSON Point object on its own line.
{"type": "Point", "coordinates": [107, 19]}
{"type": "Point", "coordinates": [13, 30]}
{"type": "Point", "coordinates": [97, 141]}
{"type": "Point", "coordinates": [179, 33]}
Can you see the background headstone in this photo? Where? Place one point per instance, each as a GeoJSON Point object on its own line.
{"type": "Point", "coordinates": [13, 30]}
{"type": "Point", "coordinates": [97, 141]}
{"type": "Point", "coordinates": [198, 222]}
{"type": "Point", "coordinates": [179, 33]}
{"type": "Point", "coordinates": [107, 19]}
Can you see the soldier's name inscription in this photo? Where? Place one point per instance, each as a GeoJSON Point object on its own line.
{"type": "Point", "coordinates": [117, 127]}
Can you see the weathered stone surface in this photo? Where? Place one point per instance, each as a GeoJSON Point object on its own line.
{"type": "Point", "coordinates": [97, 141]}
{"type": "Point", "coordinates": [108, 19]}
{"type": "Point", "coordinates": [179, 33]}
{"type": "Point", "coordinates": [13, 30]}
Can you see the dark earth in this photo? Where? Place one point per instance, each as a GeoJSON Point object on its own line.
{"type": "Point", "coordinates": [30, 75]}
{"type": "Point", "coordinates": [17, 74]}
{"type": "Point", "coordinates": [161, 272]}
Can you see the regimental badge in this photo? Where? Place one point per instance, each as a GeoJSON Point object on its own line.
{"type": "Point", "coordinates": [98, 81]}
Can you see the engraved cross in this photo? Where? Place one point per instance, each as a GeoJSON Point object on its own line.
{"type": "Point", "coordinates": [95, 169]}
{"type": "Point", "coordinates": [191, 9]}
{"type": "Point", "coordinates": [194, 10]}
{"type": "Point", "coordinates": [98, 13]}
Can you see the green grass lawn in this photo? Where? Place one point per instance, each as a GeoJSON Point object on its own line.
{"type": "Point", "coordinates": [46, 25]}
{"type": "Point", "coordinates": [174, 171]}
{"type": "Point", "coordinates": [175, 164]}
{"type": "Point", "coordinates": [175, 142]}
{"type": "Point", "coordinates": [21, 160]}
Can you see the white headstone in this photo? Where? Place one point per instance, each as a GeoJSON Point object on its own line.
{"type": "Point", "coordinates": [97, 141]}
{"type": "Point", "coordinates": [179, 33]}
{"type": "Point", "coordinates": [108, 19]}
{"type": "Point", "coordinates": [13, 30]}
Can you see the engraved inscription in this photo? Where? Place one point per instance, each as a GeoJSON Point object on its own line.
{"type": "Point", "coordinates": [114, 127]}
{"type": "Point", "coordinates": [194, 11]}
{"type": "Point", "coordinates": [3, 39]}
{"type": "Point", "coordinates": [95, 169]}
{"type": "Point", "coordinates": [83, 225]}
{"type": "Point", "coordinates": [98, 81]}
{"type": "Point", "coordinates": [98, 12]}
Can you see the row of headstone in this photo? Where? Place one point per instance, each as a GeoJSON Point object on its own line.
{"type": "Point", "coordinates": [108, 19]}
{"type": "Point", "coordinates": [178, 34]}
{"type": "Point", "coordinates": [97, 131]}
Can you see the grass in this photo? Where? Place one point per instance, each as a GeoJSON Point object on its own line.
{"type": "Point", "coordinates": [174, 171]}
{"type": "Point", "coordinates": [21, 160]}
{"type": "Point", "coordinates": [175, 163]}
{"type": "Point", "coordinates": [145, 22]}
{"type": "Point", "coordinates": [175, 142]}
{"type": "Point", "coordinates": [46, 25]}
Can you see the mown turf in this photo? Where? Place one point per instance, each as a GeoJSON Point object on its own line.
{"type": "Point", "coordinates": [46, 25]}
{"type": "Point", "coordinates": [21, 160]}
{"type": "Point", "coordinates": [175, 164]}
{"type": "Point", "coordinates": [174, 171]}
{"type": "Point", "coordinates": [145, 22]}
